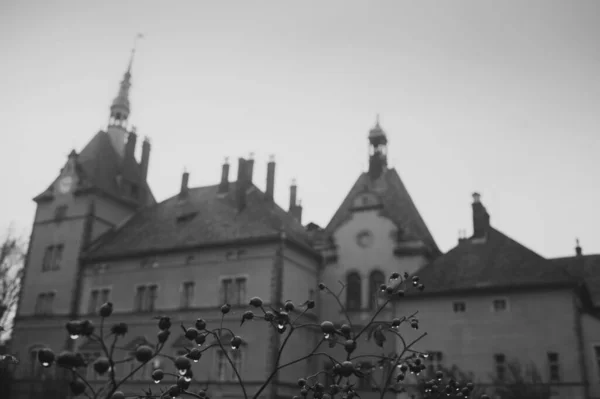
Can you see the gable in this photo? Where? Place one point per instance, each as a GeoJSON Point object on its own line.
{"type": "Point", "coordinates": [389, 193]}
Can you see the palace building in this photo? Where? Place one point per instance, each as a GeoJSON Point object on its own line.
{"type": "Point", "coordinates": [100, 235]}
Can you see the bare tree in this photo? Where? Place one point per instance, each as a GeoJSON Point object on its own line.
{"type": "Point", "coordinates": [12, 255]}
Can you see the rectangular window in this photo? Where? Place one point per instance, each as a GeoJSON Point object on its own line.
{"type": "Point", "coordinates": [224, 370]}
{"type": "Point", "coordinates": [500, 361]}
{"type": "Point", "coordinates": [39, 304]}
{"type": "Point", "coordinates": [597, 358]}
{"type": "Point", "coordinates": [152, 295]}
{"type": "Point", "coordinates": [52, 257]}
{"type": "Point", "coordinates": [47, 262]}
{"type": "Point", "coordinates": [36, 368]}
{"type": "Point", "coordinates": [226, 290]}
{"type": "Point", "coordinates": [499, 305]}
{"type": "Point", "coordinates": [140, 295]}
{"type": "Point", "coordinates": [240, 285]}
{"type": "Point", "coordinates": [49, 303]}
{"type": "Point", "coordinates": [44, 303]}
{"type": "Point", "coordinates": [105, 296]}
{"type": "Point", "coordinates": [187, 294]}
{"type": "Point", "coordinates": [459, 307]}
{"type": "Point", "coordinates": [93, 305]}
{"type": "Point", "coordinates": [553, 367]}
{"type": "Point", "coordinates": [434, 362]}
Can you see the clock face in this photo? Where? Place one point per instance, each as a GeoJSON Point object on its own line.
{"type": "Point", "coordinates": [364, 239]}
{"type": "Point", "coordinates": [65, 184]}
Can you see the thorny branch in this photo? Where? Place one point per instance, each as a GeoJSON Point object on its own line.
{"type": "Point", "coordinates": [341, 372]}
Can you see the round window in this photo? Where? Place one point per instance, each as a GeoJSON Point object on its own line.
{"type": "Point", "coordinates": [364, 238]}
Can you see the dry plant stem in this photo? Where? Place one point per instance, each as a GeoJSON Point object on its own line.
{"type": "Point", "coordinates": [112, 391]}
{"type": "Point", "coordinates": [398, 361]}
{"type": "Point", "coordinates": [237, 374]}
{"type": "Point", "coordinates": [372, 319]}
{"type": "Point", "coordinates": [109, 354]}
{"type": "Point", "coordinates": [342, 307]}
{"type": "Point", "coordinates": [85, 382]}
{"type": "Point", "coordinates": [312, 353]}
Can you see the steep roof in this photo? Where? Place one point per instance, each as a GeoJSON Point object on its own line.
{"type": "Point", "coordinates": [98, 166]}
{"type": "Point", "coordinates": [204, 218]}
{"type": "Point", "coordinates": [497, 262]}
{"type": "Point", "coordinates": [397, 205]}
{"type": "Point", "coordinates": [586, 268]}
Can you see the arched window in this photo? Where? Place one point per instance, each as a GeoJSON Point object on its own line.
{"type": "Point", "coordinates": [375, 280]}
{"type": "Point", "coordinates": [353, 291]}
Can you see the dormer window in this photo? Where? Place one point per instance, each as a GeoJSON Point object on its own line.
{"type": "Point", "coordinates": [186, 217]}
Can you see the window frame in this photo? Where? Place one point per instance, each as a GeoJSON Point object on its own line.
{"type": "Point", "coordinates": [146, 299]}
{"type": "Point", "coordinates": [506, 304]}
{"type": "Point", "coordinates": [44, 303]}
{"type": "Point", "coordinates": [596, 356]}
{"type": "Point", "coordinates": [99, 289]}
{"type": "Point", "coordinates": [358, 301]}
{"type": "Point", "coordinates": [187, 301]}
{"type": "Point", "coordinates": [233, 278]}
{"type": "Point", "coordinates": [456, 306]}
{"type": "Point", "coordinates": [500, 365]}
{"type": "Point", "coordinates": [553, 365]}
{"type": "Point", "coordinates": [53, 257]}
{"type": "Point", "coordinates": [374, 297]}
{"type": "Point", "coordinates": [222, 364]}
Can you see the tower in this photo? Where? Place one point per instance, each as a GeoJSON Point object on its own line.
{"type": "Point", "coordinates": [120, 109]}
{"type": "Point", "coordinates": [377, 151]}
{"type": "Point", "coordinates": [96, 190]}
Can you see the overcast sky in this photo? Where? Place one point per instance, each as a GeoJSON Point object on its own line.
{"type": "Point", "coordinates": [499, 97]}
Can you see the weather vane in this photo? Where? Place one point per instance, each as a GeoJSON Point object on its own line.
{"type": "Point", "coordinates": [135, 41]}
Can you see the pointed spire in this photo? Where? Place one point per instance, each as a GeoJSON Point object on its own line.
{"type": "Point", "coordinates": [120, 108]}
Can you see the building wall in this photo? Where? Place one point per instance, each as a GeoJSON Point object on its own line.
{"type": "Point", "coordinates": [47, 231]}
{"type": "Point", "coordinates": [591, 334]}
{"type": "Point", "coordinates": [534, 324]}
{"type": "Point", "coordinates": [352, 257]}
{"type": "Point", "coordinates": [205, 268]}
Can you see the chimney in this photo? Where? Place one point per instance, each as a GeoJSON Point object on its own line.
{"type": "Point", "coordinates": [297, 212]}
{"type": "Point", "coordinates": [250, 166]}
{"type": "Point", "coordinates": [130, 146]}
{"type": "Point", "coordinates": [224, 184]}
{"type": "Point", "coordinates": [145, 158]}
{"type": "Point", "coordinates": [270, 192]}
{"type": "Point", "coordinates": [184, 184]}
{"type": "Point", "coordinates": [481, 218]}
{"type": "Point", "coordinates": [295, 208]}
{"type": "Point", "coordinates": [242, 183]}
{"type": "Point", "coordinates": [293, 193]}
{"type": "Point", "coordinates": [578, 251]}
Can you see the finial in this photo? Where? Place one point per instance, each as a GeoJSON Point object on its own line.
{"type": "Point", "coordinates": [577, 241]}
{"type": "Point", "coordinates": [137, 37]}
{"type": "Point", "coordinates": [377, 120]}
